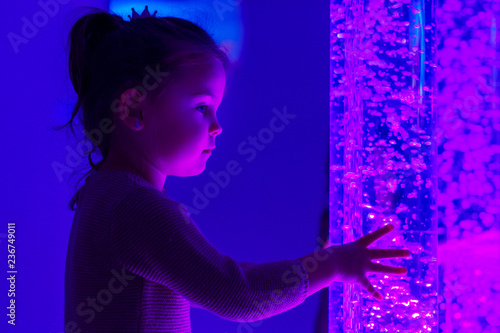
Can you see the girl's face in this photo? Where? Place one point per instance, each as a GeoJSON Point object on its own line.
{"type": "Point", "coordinates": [182, 124]}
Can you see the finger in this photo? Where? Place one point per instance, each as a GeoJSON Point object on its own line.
{"type": "Point", "coordinates": [370, 289]}
{"type": "Point", "coordinates": [378, 268]}
{"type": "Point", "coordinates": [387, 253]}
{"type": "Point", "coordinates": [370, 238]}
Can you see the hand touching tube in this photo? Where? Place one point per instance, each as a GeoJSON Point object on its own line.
{"type": "Point", "coordinates": [350, 262]}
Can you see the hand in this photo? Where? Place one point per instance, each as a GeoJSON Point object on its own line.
{"type": "Point", "coordinates": [352, 261]}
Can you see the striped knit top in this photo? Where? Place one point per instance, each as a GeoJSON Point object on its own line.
{"type": "Point", "coordinates": [136, 262]}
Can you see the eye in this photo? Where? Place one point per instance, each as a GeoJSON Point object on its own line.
{"type": "Point", "coordinates": [201, 106]}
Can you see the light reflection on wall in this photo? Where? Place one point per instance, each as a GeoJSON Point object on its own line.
{"type": "Point", "coordinates": [469, 161]}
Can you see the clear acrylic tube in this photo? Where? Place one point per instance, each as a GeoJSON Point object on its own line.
{"type": "Point", "coordinates": [383, 157]}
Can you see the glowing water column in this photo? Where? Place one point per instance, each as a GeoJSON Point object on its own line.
{"type": "Point", "coordinates": [383, 157]}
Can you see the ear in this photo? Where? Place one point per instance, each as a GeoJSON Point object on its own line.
{"type": "Point", "coordinates": [130, 108]}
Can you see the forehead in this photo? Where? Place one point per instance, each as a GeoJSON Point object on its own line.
{"type": "Point", "coordinates": [188, 82]}
{"type": "Point", "coordinates": [208, 78]}
{"type": "Point", "coordinates": [199, 80]}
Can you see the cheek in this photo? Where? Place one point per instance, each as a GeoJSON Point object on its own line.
{"type": "Point", "coordinates": [181, 134]}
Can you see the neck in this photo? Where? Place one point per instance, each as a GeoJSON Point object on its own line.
{"type": "Point", "coordinates": [143, 168]}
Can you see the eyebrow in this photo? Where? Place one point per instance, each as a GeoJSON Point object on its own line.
{"type": "Point", "coordinates": [204, 93]}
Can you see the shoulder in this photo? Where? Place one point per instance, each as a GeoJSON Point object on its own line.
{"type": "Point", "coordinates": [146, 202]}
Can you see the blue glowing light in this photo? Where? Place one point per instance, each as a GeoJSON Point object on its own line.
{"type": "Point", "coordinates": [221, 20]}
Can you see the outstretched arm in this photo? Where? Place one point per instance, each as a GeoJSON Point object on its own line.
{"type": "Point", "coordinates": [154, 237]}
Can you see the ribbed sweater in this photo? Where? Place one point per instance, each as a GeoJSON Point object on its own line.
{"type": "Point", "coordinates": [136, 262]}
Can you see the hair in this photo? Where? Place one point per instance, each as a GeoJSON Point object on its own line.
{"type": "Point", "coordinates": [108, 55]}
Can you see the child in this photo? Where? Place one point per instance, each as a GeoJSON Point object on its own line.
{"type": "Point", "coordinates": [149, 89]}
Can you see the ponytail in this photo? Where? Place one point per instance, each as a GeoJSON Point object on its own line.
{"type": "Point", "coordinates": [84, 39]}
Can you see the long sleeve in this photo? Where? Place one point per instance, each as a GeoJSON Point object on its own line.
{"type": "Point", "coordinates": [243, 266]}
{"type": "Point", "coordinates": [154, 237]}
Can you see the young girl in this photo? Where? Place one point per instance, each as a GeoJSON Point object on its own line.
{"type": "Point", "coordinates": [149, 89]}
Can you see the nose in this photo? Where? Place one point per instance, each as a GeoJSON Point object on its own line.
{"type": "Point", "coordinates": [216, 129]}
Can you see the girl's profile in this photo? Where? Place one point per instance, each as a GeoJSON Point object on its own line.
{"type": "Point", "coordinates": [136, 260]}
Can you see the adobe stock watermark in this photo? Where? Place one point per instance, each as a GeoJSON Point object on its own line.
{"type": "Point", "coordinates": [74, 157]}
{"type": "Point", "coordinates": [222, 6]}
{"type": "Point", "coordinates": [30, 28]}
{"type": "Point", "coordinates": [103, 297]}
{"type": "Point", "coordinates": [250, 146]}
{"type": "Point", "coordinates": [296, 276]}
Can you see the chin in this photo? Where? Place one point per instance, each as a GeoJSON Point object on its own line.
{"type": "Point", "coordinates": [190, 173]}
